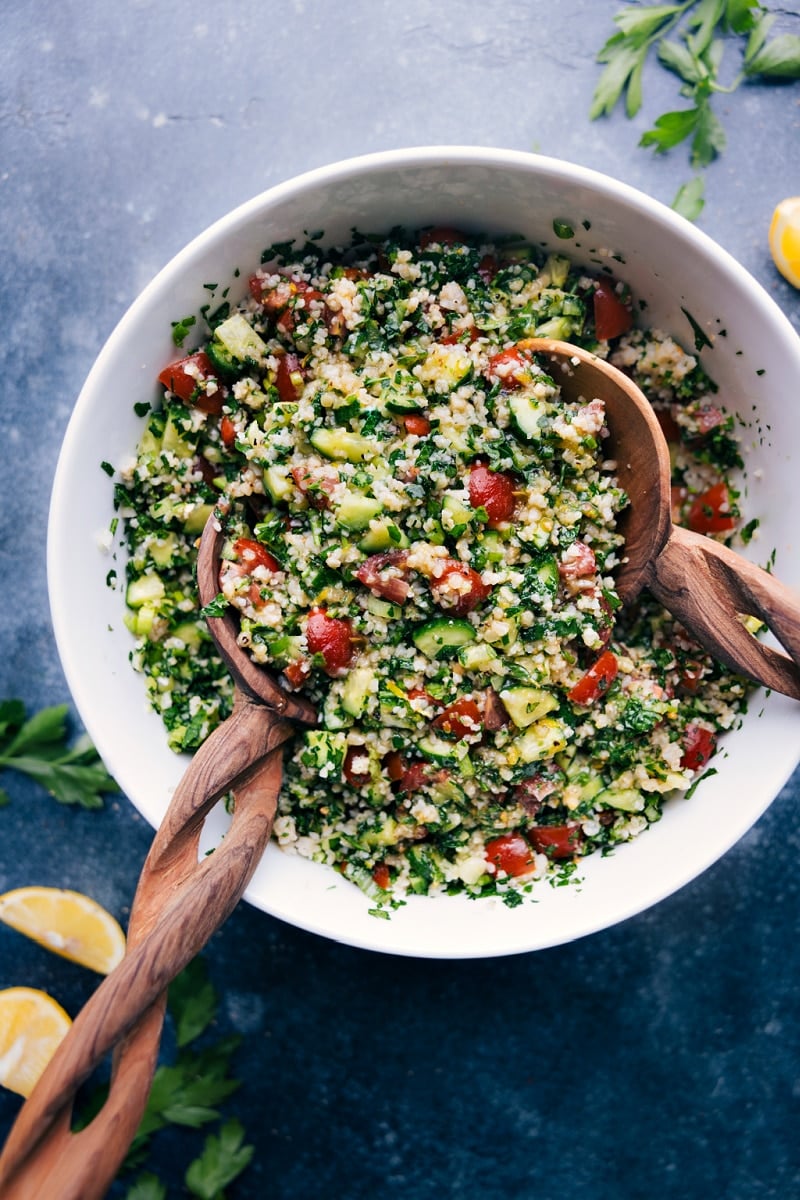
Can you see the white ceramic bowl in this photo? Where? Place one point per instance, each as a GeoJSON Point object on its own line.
{"type": "Point", "coordinates": [670, 265]}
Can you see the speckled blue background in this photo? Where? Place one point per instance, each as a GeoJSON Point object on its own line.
{"type": "Point", "coordinates": [657, 1059]}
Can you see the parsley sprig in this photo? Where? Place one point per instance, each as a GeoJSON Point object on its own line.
{"type": "Point", "coordinates": [38, 747]}
{"type": "Point", "coordinates": [702, 29]}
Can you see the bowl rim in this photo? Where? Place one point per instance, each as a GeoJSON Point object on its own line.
{"type": "Point", "coordinates": [378, 161]}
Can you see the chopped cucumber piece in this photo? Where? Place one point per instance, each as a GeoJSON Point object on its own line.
{"type": "Point", "coordinates": [501, 631]}
{"type": "Point", "coordinates": [357, 690]}
{"type": "Point", "coordinates": [478, 656]}
{"type": "Point", "coordinates": [324, 751]}
{"type": "Point", "coordinates": [560, 328]}
{"type": "Point", "coordinates": [383, 608]}
{"type": "Point", "coordinates": [341, 444]}
{"type": "Point", "coordinates": [438, 749]}
{"type": "Point", "coordinates": [626, 799]}
{"type": "Point", "coordinates": [279, 483]}
{"type": "Point", "coordinates": [527, 704]}
{"type": "Point", "coordinates": [190, 633]}
{"type": "Point", "coordinates": [557, 268]}
{"type": "Point", "coordinates": [241, 341]}
{"type": "Point", "coordinates": [147, 589]}
{"type": "Point", "coordinates": [172, 442]}
{"type": "Point", "coordinates": [195, 521]}
{"type": "Point", "coordinates": [442, 634]}
{"type": "Point", "coordinates": [527, 413]}
{"type": "Point", "coordinates": [457, 513]}
{"type": "Point", "coordinates": [382, 535]}
{"type": "Point", "coordinates": [163, 549]}
{"type": "Point", "coordinates": [403, 404]}
{"type": "Point", "coordinates": [355, 511]}
{"type": "Point", "coordinates": [541, 740]}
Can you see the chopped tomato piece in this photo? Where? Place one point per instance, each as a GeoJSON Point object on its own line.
{"type": "Point", "coordinates": [459, 719]}
{"type": "Point", "coordinates": [691, 672]}
{"type": "Point", "coordinates": [419, 693]}
{"type": "Point", "coordinates": [443, 234]}
{"type": "Point", "coordinates": [699, 744]}
{"type": "Point", "coordinates": [188, 379]}
{"type": "Point", "coordinates": [512, 367]}
{"type": "Point", "coordinates": [252, 554]}
{"type": "Point", "coordinates": [227, 431]}
{"type": "Point", "coordinates": [332, 637]}
{"type": "Point", "coordinates": [511, 853]}
{"type": "Point", "coordinates": [494, 491]}
{"type": "Point", "coordinates": [316, 488]}
{"type": "Point", "coordinates": [380, 574]}
{"type": "Point", "coordinates": [297, 672]}
{"type": "Point", "coordinates": [289, 380]}
{"type": "Point", "coordinates": [419, 426]}
{"type": "Point", "coordinates": [533, 791]}
{"type": "Point", "coordinates": [557, 841]}
{"type": "Point", "coordinates": [459, 589]}
{"type": "Point", "coordinates": [708, 417]}
{"type": "Point", "coordinates": [611, 317]}
{"type": "Point", "coordinates": [394, 765]}
{"type": "Point", "coordinates": [597, 680]}
{"type": "Point", "coordinates": [382, 876]}
{"type": "Point", "coordinates": [467, 334]}
{"type": "Point", "coordinates": [710, 512]}
{"type": "Point", "coordinates": [578, 562]}
{"type": "Point", "coordinates": [414, 777]}
{"type": "Point", "coordinates": [356, 776]}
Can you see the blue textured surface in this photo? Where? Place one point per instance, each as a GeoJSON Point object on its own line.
{"type": "Point", "coordinates": [659, 1058]}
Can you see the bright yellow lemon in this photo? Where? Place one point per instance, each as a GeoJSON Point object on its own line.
{"type": "Point", "coordinates": [784, 239]}
{"type": "Point", "coordinates": [68, 923]}
{"type": "Point", "coordinates": [32, 1025]}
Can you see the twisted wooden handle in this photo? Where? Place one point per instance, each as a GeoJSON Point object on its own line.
{"type": "Point", "coordinates": [179, 904]}
{"type": "Point", "coordinates": [708, 587]}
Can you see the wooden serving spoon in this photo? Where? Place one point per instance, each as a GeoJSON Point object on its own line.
{"type": "Point", "coordinates": [179, 904]}
{"type": "Point", "coordinates": [707, 586]}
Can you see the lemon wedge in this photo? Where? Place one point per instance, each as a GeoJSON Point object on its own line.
{"type": "Point", "coordinates": [784, 239]}
{"type": "Point", "coordinates": [32, 1025]}
{"type": "Point", "coordinates": [69, 923]}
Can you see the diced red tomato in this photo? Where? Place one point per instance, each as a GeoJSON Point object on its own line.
{"type": "Point", "coordinates": [185, 379]}
{"type": "Point", "coordinates": [395, 766]}
{"type": "Point", "coordinates": [297, 672]}
{"type": "Point", "coordinates": [332, 637]}
{"type": "Point", "coordinates": [417, 425]}
{"type": "Point", "coordinates": [443, 234]}
{"type": "Point", "coordinates": [315, 488]}
{"type": "Point", "coordinates": [459, 719]}
{"type": "Point", "coordinates": [611, 317]}
{"type": "Point", "coordinates": [414, 777]}
{"type": "Point", "coordinates": [557, 841]}
{"type": "Point", "coordinates": [466, 335]}
{"type": "Point", "coordinates": [418, 693]}
{"type": "Point", "coordinates": [494, 491]}
{"type": "Point", "coordinates": [289, 377]}
{"type": "Point", "coordinates": [699, 744]}
{"type": "Point", "coordinates": [382, 876]}
{"type": "Point", "coordinates": [708, 417]}
{"type": "Point", "coordinates": [459, 589]}
{"type": "Point", "coordinates": [578, 562]}
{"type": "Point", "coordinates": [691, 672]}
{"type": "Point", "coordinates": [710, 512]}
{"type": "Point", "coordinates": [597, 680]}
{"type": "Point", "coordinates": [373, 574]}
{"type": "Point", "coordinates": [356, 778]}
{"type": "Point", "coordinates": [227, 431]}
{"type": "Point", "coordinates": [510, 852]}
{"type": "Point", "coordinates": [252, 554]}
{"type": "Point", "coordinates": [512, 367]}
{"type": "Point", "coordinates": [533, 791]}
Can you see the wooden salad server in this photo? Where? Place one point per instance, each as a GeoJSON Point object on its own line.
{"type": "Point", "coordinates": [707, 586]}
{"type": "Point", "coordinates": [179, 904]}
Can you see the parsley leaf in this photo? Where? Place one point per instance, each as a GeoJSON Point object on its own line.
{"type": "Point", "coordinates": [224, 1158]}
{"type": "Point", "coordinates": [193, 1002]}
{"type": "Point", "coordinates": [778, 59]}
{"type": "Point", "coordinates": [146, 1187]}
{"type": "Point", "coordinates": [180, 329]}
{"type": "Point", "coordinates": [689, 200]}
{"type": "Point", "coordinates": [37, 747]}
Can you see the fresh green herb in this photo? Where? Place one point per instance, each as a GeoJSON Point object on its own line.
{"type": "Point", "coordinates": [701, 338]}
{"type": "Point", "coordinates": [142, 408]}
{"type": "Point", "coordinates": [216, 607]}
{"type": "Point", "coordinates": [563, 229]}
{"type": "Point", "coordinates": [107, 467]}
{"type": "Point", "coordinates": [180, 329]}
{"type": "Point", "coordinates": [193, 1002]}
{"type": "Point", "coordinates": [224, 1158]}
{"type": "Point", "coordinates": [146, 1187]}
{"type": "Point", "coordinates": [702, 29]}
{"type": "Point", "coordinates": [37, 747]}
{"type": "Point", "coordinates": [690, 198]}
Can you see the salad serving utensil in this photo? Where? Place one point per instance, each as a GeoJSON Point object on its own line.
{"type": "Point", "coordinates": [179, 904]}
{"type": "Point", "coordinates": [706, 585]}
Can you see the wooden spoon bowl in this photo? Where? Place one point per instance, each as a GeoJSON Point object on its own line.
{"type": "Point", "coordinates": [707, 586]}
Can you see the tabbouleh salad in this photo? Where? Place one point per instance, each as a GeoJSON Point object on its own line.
{"type": "Point", "coordinates": [421, 536]}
